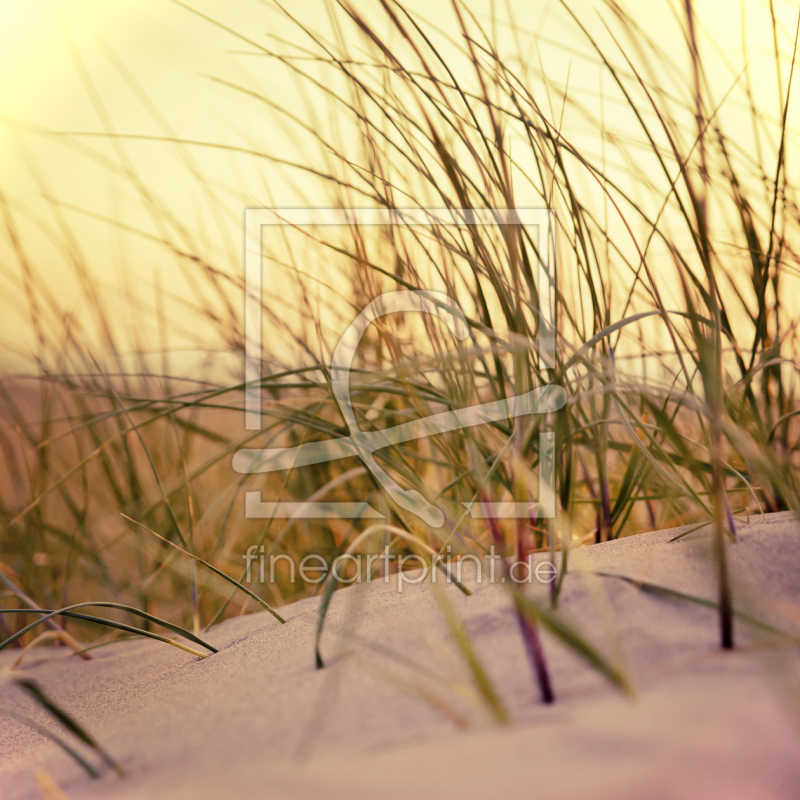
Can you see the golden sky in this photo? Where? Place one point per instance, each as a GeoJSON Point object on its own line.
{"type": "Point", "coordinates": [74, 67]}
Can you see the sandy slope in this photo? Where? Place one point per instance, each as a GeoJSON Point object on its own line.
{"type": "Point", "coordinates": [258, 720]}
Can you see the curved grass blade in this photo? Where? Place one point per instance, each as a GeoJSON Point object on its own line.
{"type": "Point", "coordinates": [48, 734]}
{"type": "Point", "coordinates": [219, 572]}
{"type": "Point", "coordinates": [658, 589]}
{"type": "Point", "coordinates": [480, 677]}
{"type": "Point", "coordinates": [563, 631]}
{"type": "Point", "coordinates": [72, 725]}
{"type": "Point", "coordinates": [120, 626]}
{"type": "Point", "coordinates": [331, 582]}
{"type": "Point", "coordinates": [135, 611]}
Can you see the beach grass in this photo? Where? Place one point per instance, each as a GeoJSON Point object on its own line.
{"type": "Point", "coordinates": [675, 328]}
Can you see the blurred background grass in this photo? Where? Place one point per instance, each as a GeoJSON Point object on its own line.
{"type": "Point", "coordinates": [663, 140]}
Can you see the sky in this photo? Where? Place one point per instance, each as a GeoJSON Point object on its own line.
{"type": "Point", "coordinates": [73, 68]}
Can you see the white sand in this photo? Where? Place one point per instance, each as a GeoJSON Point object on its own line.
{"type": "Point", "coordinates": [258, 720]}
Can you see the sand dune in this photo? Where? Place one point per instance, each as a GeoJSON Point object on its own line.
{"type": "Point", "coordinates": [258, 720]}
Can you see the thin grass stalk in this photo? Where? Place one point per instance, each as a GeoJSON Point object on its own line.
{"type": "Point", "coordinates": [527, 623]}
